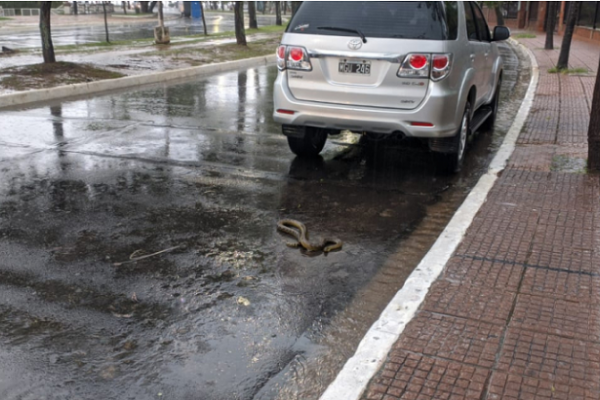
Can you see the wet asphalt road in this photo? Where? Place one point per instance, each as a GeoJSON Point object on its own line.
{"type": "Point", "coordinates": [230, 312]}
{"type": "Point", "coordinates": [95, 33]}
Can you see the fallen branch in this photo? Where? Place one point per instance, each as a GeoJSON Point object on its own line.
{"type": "Point", "coordinates": [118, 264]}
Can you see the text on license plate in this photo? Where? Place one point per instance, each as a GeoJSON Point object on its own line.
{"type": "Point", "coordinates": [356, 67]}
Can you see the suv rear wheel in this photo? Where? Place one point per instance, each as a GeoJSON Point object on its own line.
{"type": "Point", "coordinates": [452, 161]}
{"type": "Point", "coordinates": [311, 144]}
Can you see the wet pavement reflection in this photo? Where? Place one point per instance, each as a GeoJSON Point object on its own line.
{"type": "Point", "coordinates": [227, 311]}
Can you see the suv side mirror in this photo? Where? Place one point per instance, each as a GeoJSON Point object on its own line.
{"type": "Point", "coordinates": [501, 33]}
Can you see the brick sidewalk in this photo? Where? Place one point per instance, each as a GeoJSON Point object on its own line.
{"type": "Point", "coordinates": [516, 311]}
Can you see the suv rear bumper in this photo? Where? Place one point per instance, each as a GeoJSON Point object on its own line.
{"type": "Point", "coordinates": [440, 107]}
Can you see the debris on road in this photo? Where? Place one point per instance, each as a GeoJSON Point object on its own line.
{"type": "Point", "coordinates": [131, 260]}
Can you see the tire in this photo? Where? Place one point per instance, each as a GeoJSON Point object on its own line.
{"type": "Point", "coordinates": [311, 144]}
{"type": "Point", "coordinates": [451, 162]}
{"type": "Point", "coordinates": [488, 125]}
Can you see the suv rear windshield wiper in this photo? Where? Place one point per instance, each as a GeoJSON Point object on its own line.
{"type": "Point", "coordinates": [334, 28]}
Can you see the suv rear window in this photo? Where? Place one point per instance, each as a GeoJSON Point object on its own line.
{"type": "Point", "coordinates": [398, 19]}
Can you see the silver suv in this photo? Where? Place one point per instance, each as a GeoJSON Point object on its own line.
{"type": "Point", "coordinates": [427, 70]}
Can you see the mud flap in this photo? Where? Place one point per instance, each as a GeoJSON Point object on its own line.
{"type": "Point", "coordinates": [294, 131]}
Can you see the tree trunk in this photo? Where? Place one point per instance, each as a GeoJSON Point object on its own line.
{"type": "Point", "coordinates": [123, 3]}
{"type": "Point", "coordinates": [565, 48]}
{"type": "Point", "coordinates": [203, 19]}
{"type": "Point", "coordinates": [152, 5]}
{"type": "Point", "coordinates": [144, 6]}
{"type": "Point", "coordinates": [499, 16]}
{"type": "Point", "coordinates": [550, 25]}
{"type": "Point", "coordinates": [285, 8]}
{"type": "Point", "coordinates": [75, 10]}
{"type": "Point", "coordinates": [278, 13]}
{"type": "Point", "coordinates": [161, 16]}
{"type": "Point", "coordinates": [594, 128]}
{"type": "Point", "coordinates": [295, 6]}
{"type": "Point", "coordinates": [105, 21]}
{"type": "Point", "coordinates": [252, 15]}
{"type": "Point", "coordinates": [240, 32]}
{"type": "Point", "coordinates": [47, 46]}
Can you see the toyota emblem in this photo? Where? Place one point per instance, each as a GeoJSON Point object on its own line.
{"type": "Point", "coordinates": [355, 44]}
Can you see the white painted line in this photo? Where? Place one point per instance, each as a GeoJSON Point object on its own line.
{"type": "Point", "coordinates": [82, 89]}
{"type": "Point", "coordinates": [374, 348]}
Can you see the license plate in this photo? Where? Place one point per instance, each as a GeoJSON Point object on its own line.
{"type": "Point", "coordinates": [355, 67]}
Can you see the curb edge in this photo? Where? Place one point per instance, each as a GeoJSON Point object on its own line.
{"type": "Point", "coordinates": [82, 89]}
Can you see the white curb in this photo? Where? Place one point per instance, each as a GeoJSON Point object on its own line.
{"type": "Point", "coordinates": [81, 89]}
{"type": "Point", "coordinates": [374, 348]}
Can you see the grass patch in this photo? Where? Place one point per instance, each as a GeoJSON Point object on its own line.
{"type": "Point", "coordinates": [524, 36]}
{"type": "Point", "coordinates": [140, 43]}
{"type": "Point", "coordinates": [215, 54]}
{"type": "Point", "coordinates": [568, 71]}
{"type": "Point", "coordinates": [5, 19]}
{"type": "Point", "coordinates": [39, 76]}
{"type": "Point", "coordinates": [134, 15]}
{"type": "Point", "coordinates": [564, 163]}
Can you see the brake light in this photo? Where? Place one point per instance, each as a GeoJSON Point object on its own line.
{"type": "Point", "coordinates": [436, 66]}
{"type": "Point", "coordinates": [297, 58]}
{"type": "Point", "coordinates": [415, 66]}
{"type": "Point", "coordinates": [440, 61]}
{"type": "Point", "coordinates": [418, 61]}
{"type": "Point", "coordinates": [441, 66]}
{"type": "Point", "coordinates": [296, 54]}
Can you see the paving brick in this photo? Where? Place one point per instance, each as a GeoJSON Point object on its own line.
{"type": "Point", "coordinates": [558, 237]}
{"type": "Point", "coordinates": [566, 259]}
{"type": "Point", "coordinates": [557, 360]}
{"type": "Point", "coordinates": [505, 386]}
{"type": "Point", "coordinates": [547, 191]}
{"type": "Point", "coordinates": [556, 316]}
{"type": "Point", "coordinates": [533, 158]}
{"type": "Point", "coordinates": [467, 301]}
{"type": "Point", "coordinates": [500, 214]}
{"type": "Point", "coordinates": [422, 377]}
{"type": "Point", "coordinates": [484, 273]}
{"type": "Point", "coordinates": [561, 284]}
{"type": "Point", "coordinates": [457, 339]}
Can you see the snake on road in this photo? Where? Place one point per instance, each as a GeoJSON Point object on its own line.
{"type": "Point", "coordinates": [301, 235]}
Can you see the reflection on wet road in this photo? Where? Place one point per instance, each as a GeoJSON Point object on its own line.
{"type": "Point", "coordinates": [199, 169]}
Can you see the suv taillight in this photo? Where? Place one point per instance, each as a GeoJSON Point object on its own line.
{"type": "Point", "coordinates": [293, 57]}
{"type": "Point", "coordinates": [440, 66]}
{"type": "Point", "coordinates": [417, 65]}
{"type": "Point", "coordinates": [281, 57]}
